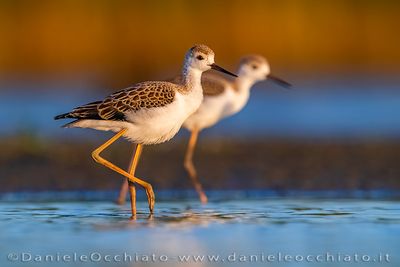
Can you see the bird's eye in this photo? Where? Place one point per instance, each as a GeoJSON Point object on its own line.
{"type": "Point", "coordinates": [254, 67]}
{"type": "Point", "coordinates": [200, 57]}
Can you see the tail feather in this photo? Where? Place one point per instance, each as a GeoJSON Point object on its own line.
{"type": "Point", "coordinates": [62, 116]}
{"type": "Point", "coordinates": [70, 124]}
{"type": "Point", "coordinates": [88, 111]}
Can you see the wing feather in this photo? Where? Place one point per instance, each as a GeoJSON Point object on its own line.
{"type": "Point", "coordinates": [140, 96]}
{"type": "Point", "coordinates": [144, 95]}
{"type": "Point", "coordinates": [212, 83]}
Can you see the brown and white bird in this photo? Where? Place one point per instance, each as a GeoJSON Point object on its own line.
{"type": "Point", "coordinates": [146, 113]}
{"type": "Point", "coordinates": [223, 97]}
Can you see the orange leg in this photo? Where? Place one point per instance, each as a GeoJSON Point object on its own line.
{"type": "Point", "coordinates": [131, 185]}
{"type": "Point", "coordinates": [123, 191]}
{"type": "Point", "coordinates": [125, 185]}
{"type": "Point", "coordinates": [96, 156]}
{"type": "Point", "coordinates": [189, 166]}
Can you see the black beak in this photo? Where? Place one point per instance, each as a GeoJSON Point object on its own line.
{"type": "Point", "coordinates": [218, 68]}
{"type": "Point", "coordinates": [279, 81]}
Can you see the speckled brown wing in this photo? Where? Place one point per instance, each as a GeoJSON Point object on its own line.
{"type": "Point", "coordinates": [144, 95]}
{"type": "Point", "coordinates": [213, 84]}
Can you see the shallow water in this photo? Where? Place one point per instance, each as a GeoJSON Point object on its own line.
{"type": "Point", "coordinates": [232, 230]}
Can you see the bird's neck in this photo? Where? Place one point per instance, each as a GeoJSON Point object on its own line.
{"type": "Point", "coordinates": [191, 78]}
{"type": "Point", "coordinates": [243, 84]}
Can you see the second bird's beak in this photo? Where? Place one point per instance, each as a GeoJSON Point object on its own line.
{"type": "Point", "coordinates": [279, 81]}
{"type": "Point", "coordinates": [218, 68]}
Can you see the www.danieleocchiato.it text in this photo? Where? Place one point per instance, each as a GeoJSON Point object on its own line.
{"type": "Point", "coordinates": [232, 257]}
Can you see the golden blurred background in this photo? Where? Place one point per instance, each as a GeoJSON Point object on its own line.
{"type": "Point", "coordinates": [121, 42]}
{"type": "Point", "coordinates": [339, 128]}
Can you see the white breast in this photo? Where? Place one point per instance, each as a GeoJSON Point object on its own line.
{"type": "Point", "coordinates": [236, 102]}
{"type": "Point", "coordinates": [215, 108]}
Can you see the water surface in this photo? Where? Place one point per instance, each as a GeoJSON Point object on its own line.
{"type": "Point", "coordinates": [226, 229]}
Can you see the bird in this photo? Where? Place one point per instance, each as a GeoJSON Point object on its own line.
{"type": "Point", "coordinates": [223, 97]}
{"type": "Point", "coordinates": [146, 113]}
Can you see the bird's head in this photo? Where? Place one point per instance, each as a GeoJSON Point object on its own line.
{"type": "Point", "coordinates": [257, 68]}
{"type": "Point", "coordinates": [201, 57]}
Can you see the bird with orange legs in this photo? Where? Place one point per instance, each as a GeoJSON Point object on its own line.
{"type": "Point", "coordinates": [146, 113]}
{"type": "Point", "coordinates": [223, 97]}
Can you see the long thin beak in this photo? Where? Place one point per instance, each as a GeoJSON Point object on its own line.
{"type": "Point", "coordinates": [218, 68]}
{"type": "Point", "coordinates": [279, 81]}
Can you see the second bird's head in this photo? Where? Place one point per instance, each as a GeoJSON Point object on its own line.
{"type": "Point", "coordinates": [256, 68]}
{"type": "Point", "coordinates": [201, 57]}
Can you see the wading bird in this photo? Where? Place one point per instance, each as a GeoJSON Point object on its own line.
{"type": "Point", "coordinates": [146, 113]}
{"type": "Point", "coordinates": [223, 97]}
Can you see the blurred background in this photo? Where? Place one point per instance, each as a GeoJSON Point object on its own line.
{"type": "Point", "coordinates": [338, 129]}
{"type": "Point", "coordinates": [312, 170]}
